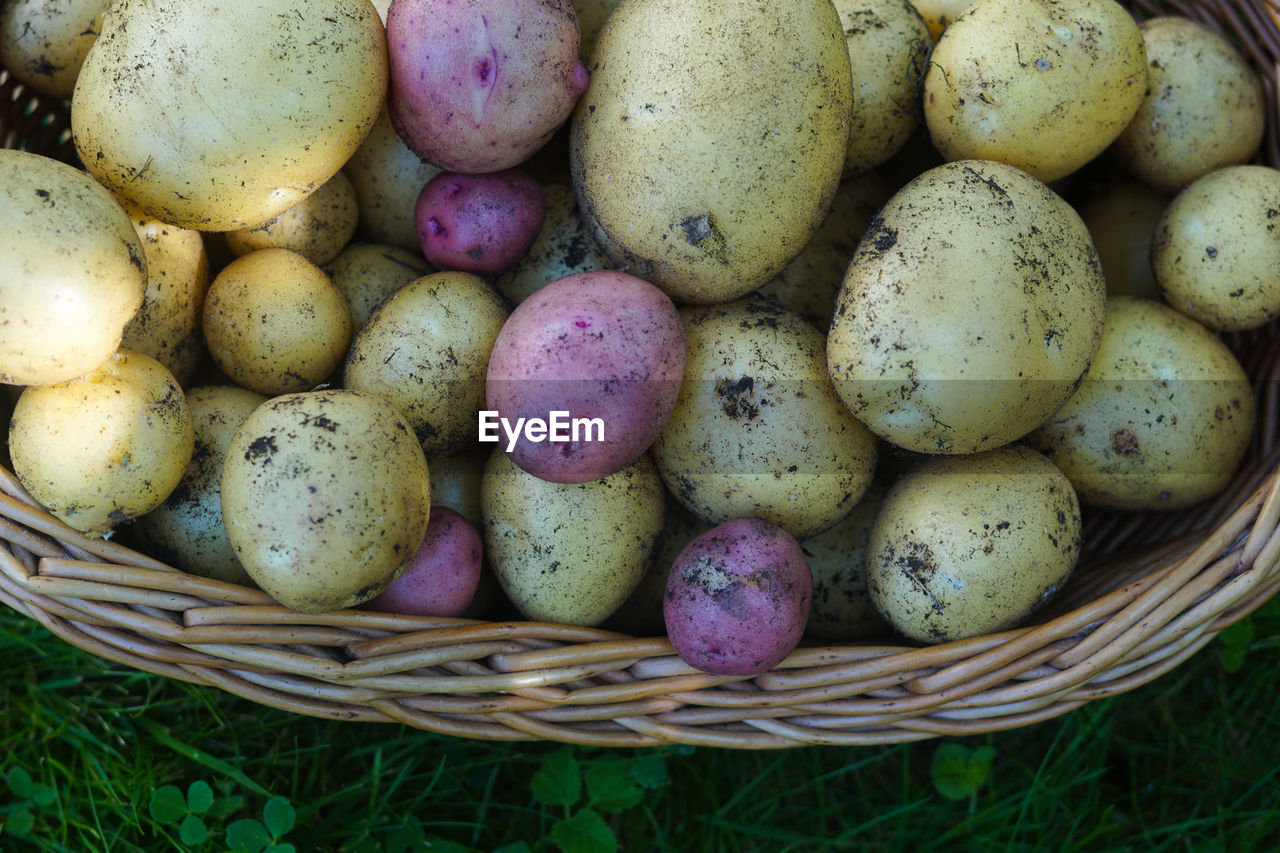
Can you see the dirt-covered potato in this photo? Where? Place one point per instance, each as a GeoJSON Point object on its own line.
{"type": "Point", "coordinates": [1122, 220]}
{"type": "Point", "coordinates": [837, 557]}
{"type": "Point", "coordinates": [43, 43]}
{"type": "Point", "coordinates": [971, 545]}
{"type": "Point", "coordinates": [810, 283]}
{"type": "Point", "coordinates": [938, 14]}
{"type": "Point", "coordinates": [564, 246]}
{"type": "Point", "coordinates": [570, 552]}
{"type": "Point", "coordinates": [186, 530]}
{"type": "Point", "coordinates": [167, 326]}
{"type": "Point", "coordinates": [442, 577]}
{"type": "Point", "coordinates": [479, 223]}
{"type": "Point", "coordinates": [455, 482]}
{"type": "Point", "coordinates": [709, 144]}
{"type": "Point", "coordinates": [757, 429]}
{"type": "Point", "coordinates": [275, 323]}
{"type": "Point", "coordinates": [219, 116]}
{"type": "Point", "coordinates": [74, 272]}
{"type": "Point", "coordinates": [1216, 249]}
{"type": "Point", "coordinates": [1045, 87]}
{"type": "Point", "coordinates": [1161, 421]}
{"type": "Point", "coordinates": [387, 178]}
{"type": "Point", "coordinates": [325, 497]}
{"type": "Point", "coordinates": [367, 273]}
{"type": "Point", "coordinates": [641, 613]}
{"type": "Point", "coordinates": [889, 47]}
{"type": "Point", "coordinates": [426, 349]}
{"type": "Point", "coordinates": [105, 447]}
{"type": "Point", "coordinates": [970, 311]}
{"type": "Point", "coordinates": [318, 227]}
{"type": "Point", "coordinates": [1203, 110]}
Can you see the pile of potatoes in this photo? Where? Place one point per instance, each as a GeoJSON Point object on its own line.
{"type": "Point", "coordinates": [845, 308]}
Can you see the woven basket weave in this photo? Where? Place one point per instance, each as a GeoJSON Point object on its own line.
{"type": "Point", "coordinates": [1149, 592]}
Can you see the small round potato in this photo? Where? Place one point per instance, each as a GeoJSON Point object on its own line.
{"type": "Point", "coordinates": [105, 447]}
{"type": "Point", "coordinates": [1122, 220]}
{"type": "Point", "coordinates": [74, 272]}
{"type": "Point", "coordinates": [570, 553]}
{"type": "Point", "coordinates": [1045, 87]}
{"type": "Point", "coordinates": [387, 178]}
{"type": "Point", "coordinates": [970, 311]}
{"type": "Point", "coordinates": [219, 116]}
{"type": "Point", "coordinates": [842, 608]}
{"type": "Point", "coordinates": [757, 429]}
{"type": "Point", "coordinates": [275, 323]}
{"type": "Point", "coordinates": [971, 545]}
{"type": "Point", "coordinates": [442, 577]}
{"type": "Point", "coordinates": [1204, 107]}
{"type": "Point", "coordinates": [455, 482]}
{"type": "Point", "coordinates": [43, 43]}
{"type": "Point", "coordinates": [564, 246]}
{"type": "Point", "coordinates": [367, 273]}
{"type": "Point", "coordinates": [1161, 421]}
{"type": "Point", "coordinates": [1216, 250]}
{"type": "Point", "coordinates": [326, 497]}
{"type": "Point", "coordinates": [318, 227]}
{"type": "Point", "coordinates": [167, 326]}
{"type": "Point", "coordinates": [187, 530]}
{"type": "Point", "coordinates": [426, 349]}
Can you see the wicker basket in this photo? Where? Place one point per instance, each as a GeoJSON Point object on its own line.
{"type": "Point", "coordinates": [1150, 591]}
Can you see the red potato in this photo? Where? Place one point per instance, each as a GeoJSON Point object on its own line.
{"type": "Point", "coordinates": [737, 598]}
{"type": "Point", "coordinates": [442, 577]}
{"type": "Point", "coordinates": [606, 350]}
{"type": "Point", "coordinates": [479, 223]}
{"type": "Point", "coordinates": [479, 85]}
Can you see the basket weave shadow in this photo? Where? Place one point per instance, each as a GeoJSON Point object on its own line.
{"type": "Point", "coordinates": [1150, 591]}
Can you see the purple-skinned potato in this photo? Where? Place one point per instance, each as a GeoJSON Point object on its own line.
{"type": "Point", "coordinates": [442, 576]}
{"type": "Point", "coordinates": [483, 224]}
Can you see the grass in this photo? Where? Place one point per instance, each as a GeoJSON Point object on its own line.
{"type": "Point", "coordinates": [1190, 762]}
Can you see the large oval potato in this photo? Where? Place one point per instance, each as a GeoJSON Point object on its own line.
{"type": "Point", "coordinates": [970, 311]}
{"type": "Point", "coordinates": [219, 116]}
{"type": "Point", "coordinates": [708, 145]}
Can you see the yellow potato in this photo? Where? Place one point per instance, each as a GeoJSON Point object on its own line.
{"type": "Point", "coordinates": [219, 116]}
{"type": "Point", "coordinates": [564, 246]}
{"type": "Point", "coordinates": [105, 447]}
{"type": "Point", "coordinates": [318, 227]}
{"type": "Point", "coordinates": [1122, 220]}
{"type": "Point", "coordinates": [73, 275]}
{"type": "Point", "coordinates": [367, 273]}
{"type": "Point", "coordinates": [43, 43]}
{"type": "Point", "coordinates": [387, 178]}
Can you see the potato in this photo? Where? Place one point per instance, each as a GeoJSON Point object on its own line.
{"type": "Point", "coordinates": [601, 354]}
{"type": "Point", "coordinates": [889, 46]}
{"type": "Point", "coordinates": [969, 313]}
{"type": "Point", "coordinates": [43, 43]}
{"type": "Point", "coordinates": [938, 14]}
{"type": "Point", "coordinates": [1042, 86]}
{"type": "Point", "coordinates": [737, 598]}
{"type": "Point", "coordinates": [167, 326]}
{"type": "Point", "coordinates": [757, 428]}
{"type": "Point", "coordinates": [591, 17]}
{"type": "Point", "coordinates": [455, 482]}
{"type": "Point", "coordinates": [1161, 421]}
{"type": "Point", "coordinates": [187, 530]}
{"type": "Point", "coordinates": [105, 447]}
{"type": "Point", "coordinates": [367, 273]}
{"type": "Point", "coordinates": [1204, 107]}
{"type": "Point", "coordinates": [387, 178]}
{"type": "Point", "coordinates": [326, 497]}
{"type": "Point", "coordinates": [837, 557]}
{"type": "Point", "coordinates": [426, 349]}
{"type": "Point", "coordinates": [74, 271]}
{"type": "Point", "coordinates": [442, 576]}
{"type": "Point", "coordinates": [564, 246]}
{"type": "Point", "coordinates": [971, 545]}
{"type": "Point", "coordinates": [318, 227]}
{"type": "Point", "coordinates": [479, 223]}
{"type": "Point", "coordinates": [570, 552]}
{"type": "Point", "coordinates": [708, 146]}
{"type": "Point", "coordinates": [479, 85]}
{"type": "Point", "coordinates": [219, 116]}
{"type": "Point", "coordinates": [1121, 218]}
{"type": "Point", "coordinates": [274, 322]}
{"type": "Point", "coordinates": [1216, 253]}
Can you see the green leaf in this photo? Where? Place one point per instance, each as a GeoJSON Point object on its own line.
{"type": "Point", "coordinates": [167, 804]}
{"type": "Point", "coordinates": [557, 781]}
{"type": "Point", "coordinates": [278, 816]}
{"type": "Point", "coordinates": [649, 771]}
{"type": "Point", "coordinates": [610, 787]}
{"type": "Point", "coordinates": [20, 821]}
{"type": "Point", "coordinates": [193, 831]}
{"type": "Point", "coordinates": [19, 782]}
{"type": "Point", "coordinates": [199, 797]}
{"type": "Point", "coordinates": [1235, 644]}
{"type": "Point", "coordinates": [43, 795]}
{"type": "Point", "coordinates": [585, 832]}
{"type": "Point", "coordinates": [247, 834]}
{"type": "Point", "coordinates": [958, 771]}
